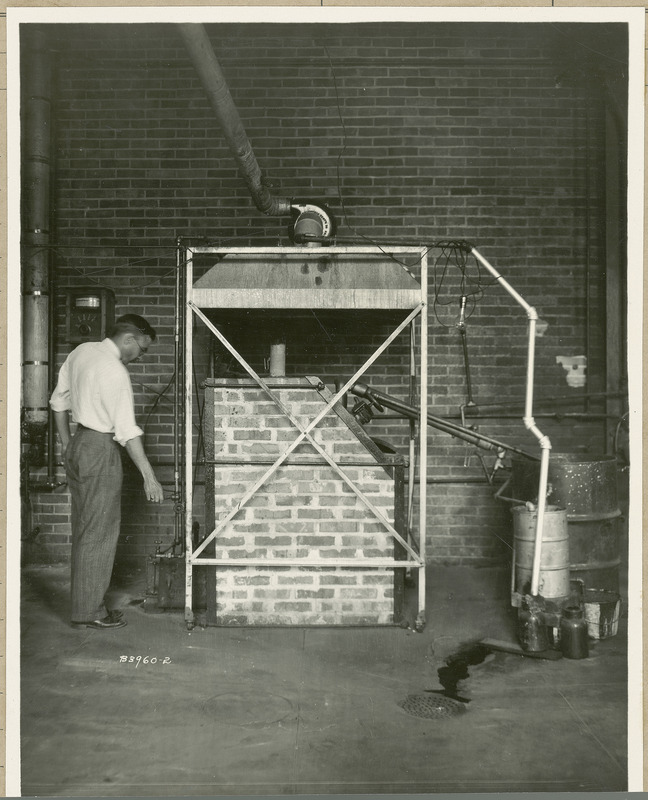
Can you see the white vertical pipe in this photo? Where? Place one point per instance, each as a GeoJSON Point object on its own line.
{"type": "Point", "coordinates": [529, 422]}
{"type": "Point", "coordinates": [528, 403]}
{"type": "Point", "coordinates": [188, 475]}
{"type": "Point", "coordinates": [423, 344]}
{"type": "Point", "coordinates": [544, 460]}
{"type": "Point", "coordinates": [542, 494]}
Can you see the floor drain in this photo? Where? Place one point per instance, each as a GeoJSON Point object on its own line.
{"type": "Point", "coordinates": [432, 706]}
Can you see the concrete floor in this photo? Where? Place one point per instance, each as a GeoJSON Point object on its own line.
{"type": "Point", "coordinates": [309, 711]}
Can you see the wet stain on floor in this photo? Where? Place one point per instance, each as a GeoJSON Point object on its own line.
{"type": "Point", "coordinates": [456, 670]}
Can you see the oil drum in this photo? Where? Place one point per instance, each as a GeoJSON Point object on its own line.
{"type": "Point", "coordinates": [554, 556]}
{"type": "Point", "coordinates": [586, 486]}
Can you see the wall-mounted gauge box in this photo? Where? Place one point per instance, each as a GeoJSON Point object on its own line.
{"type": "Point", "coordinates": [90, 313]}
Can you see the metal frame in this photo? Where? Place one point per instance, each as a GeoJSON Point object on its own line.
{"type": "Point", "coordinates": [416, 556]}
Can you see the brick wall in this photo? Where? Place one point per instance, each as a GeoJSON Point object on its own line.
{"type": "Point", "coordinates": [490, 133]}
{"type": "Point", "coordinates": [304, 510]}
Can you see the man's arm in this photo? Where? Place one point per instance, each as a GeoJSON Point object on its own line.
{"type": "Point", "coordinates": [60, 405]}
{"type": "Point", "coordinates": [152, 487]}
{"type": "Point", "coordinates": [62, 422]}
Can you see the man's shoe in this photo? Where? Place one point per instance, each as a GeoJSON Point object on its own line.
{"type": "Point", "coordinates": [101, 624]}
{"type": "Point", "coordinates": [115, 614]}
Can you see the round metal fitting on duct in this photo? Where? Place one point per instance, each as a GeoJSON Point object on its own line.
{"type": "Point", "coordinates": [311, 221]}
{"type": "Point", "coordinates": [432, 706]}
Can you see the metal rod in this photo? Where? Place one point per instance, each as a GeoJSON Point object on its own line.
{"type": "Point", "coordinates": [200, 249]}
{"type": "Point", "coordinates": [51, 290]}
{"type": "Point", "coordinates": [555, 415]}
{"type": "Point", "coordinates": [178, 456]}
{"type": "Point", "coordinates": [473, 437]}
{"type": "Point", "coordinates": [51, 359]}
{"type": "Point", "coordinates": [188, 434]}
{"type": "Point", "coordinates": [300, 461]}
{"type": "Point", "coordinates": [304, 432]}
{"type": "Point", "coordinates": [464, 344]}
{"type": "Point", "coordinates": [360, 563]}
{"type": "Point", "coordinates": [423, 438]}
{"type": "Point", "coordinates": [555, 399]}
{"type": "Point", "coordinates": [458, 481]}
{"type": "Point", "coordinates": [412, 429]}
{"type": "Point", "coordinates": [588, 235]}
{"type": "Point", "coordinates": [220, 382]}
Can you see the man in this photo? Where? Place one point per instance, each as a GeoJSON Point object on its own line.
{"type": "Point", "coordinates": [94, 385]}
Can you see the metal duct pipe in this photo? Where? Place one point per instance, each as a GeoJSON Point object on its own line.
{"type": "Point", "coordinates": [36, 146]}
{"type": "Point", "coordinates": [206, 64]}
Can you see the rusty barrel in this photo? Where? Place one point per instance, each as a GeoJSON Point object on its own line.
{"type": "Point", "coordinates": [554, 555]}
{"type": "Point", "coordinates": [586, 486]}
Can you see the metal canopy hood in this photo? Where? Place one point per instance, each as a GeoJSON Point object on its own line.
{"type": "Point", "coordinates": [290, 278]}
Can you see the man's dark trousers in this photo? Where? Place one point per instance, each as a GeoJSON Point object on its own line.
{"type": "Point", "coordinates": [94, 472]}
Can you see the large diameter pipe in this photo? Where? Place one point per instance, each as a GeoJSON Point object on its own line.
{"type": "Point", "coordinates": [35, 223]}
{"type": "Point", "coordinates": [211, 75]}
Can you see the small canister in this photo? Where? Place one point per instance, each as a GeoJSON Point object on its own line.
{"type": "Point", "coordinates": [532, 631]}
{"type": "Point", "coordinates": [573, 633]}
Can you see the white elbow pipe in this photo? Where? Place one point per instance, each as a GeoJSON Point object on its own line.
{"type": "Point", "coordinates": [529, 422]}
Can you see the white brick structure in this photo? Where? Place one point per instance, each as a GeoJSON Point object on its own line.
{"type": "Point", "coordinates": [304, 510]}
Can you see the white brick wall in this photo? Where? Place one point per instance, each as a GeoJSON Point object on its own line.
{"type": "Point", "coordinates": [302, 511]}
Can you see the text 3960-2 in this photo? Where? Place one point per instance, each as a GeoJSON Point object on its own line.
{"type": "Point", "coordinates": [137, 660]}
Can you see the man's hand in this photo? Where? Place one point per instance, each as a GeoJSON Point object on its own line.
{"type": "Point", "coordinates": [153, 489]}
{"type": "Point", "coordinates": [62, 422]}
